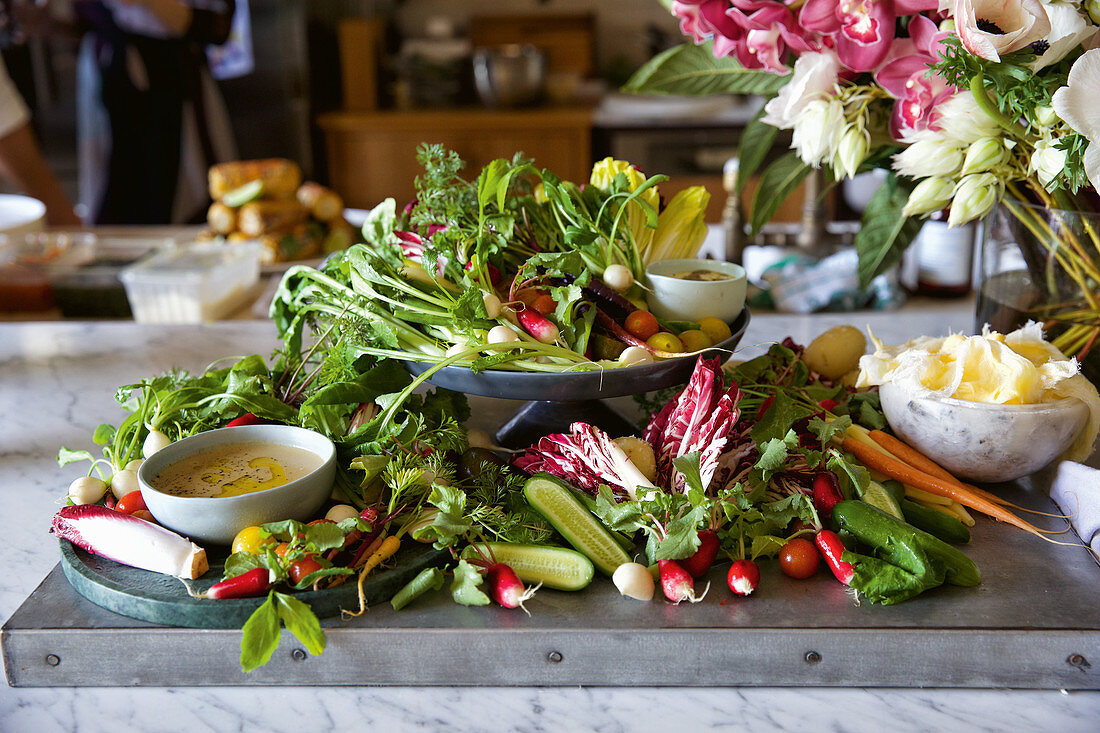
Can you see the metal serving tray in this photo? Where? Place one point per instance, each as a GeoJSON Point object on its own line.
{"type": "Point", "coordinates": [1034, 622]}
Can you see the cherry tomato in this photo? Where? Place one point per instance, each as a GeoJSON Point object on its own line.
{"type": "Point", "coordinates": [282, 548]}
{"type": "Point", "coordinates": [641, 324]}
{"type": "Point", "coordinates": [799, 558]}
{"type": "Point", "coordinates": [131, 502]}
{"type": "Point", "coordinates": [544, 305]}
{"type": "Point", "coordinates": [144, 514]}
{"type": "Point", "coordinates": [249, 540]}
{"type": "Point", "coordinates": [303, 567]}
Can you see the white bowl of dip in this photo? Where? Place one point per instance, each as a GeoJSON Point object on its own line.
{"type": "Point", "coordinates": [680, 292]}
{"type": "Point", "coordinates": [982, 441]}
{"type": "Point", "coordinates": [173, 486]}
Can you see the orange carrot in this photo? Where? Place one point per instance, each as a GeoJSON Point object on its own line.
{"type": "Point", "coordinates": [907, 474]}
{"type": "Point", "coordinates": [907, 453]}
{"type": "Point", "coordinates": [918, 460]}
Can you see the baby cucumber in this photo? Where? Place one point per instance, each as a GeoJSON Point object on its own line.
{"type": "Point", "coordinates": [553, 499]}
{"type": "Point", "coordinates": [554, 567]}
{"type": "Point", "coordinates": [947, 528]}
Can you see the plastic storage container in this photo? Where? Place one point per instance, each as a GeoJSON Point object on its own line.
{"type": "Point", "coordinates": [94, 290]}
{"type": "Point", "coordinates": [29, 261]}
{"type": "Point", "coordinates": [192, 283]}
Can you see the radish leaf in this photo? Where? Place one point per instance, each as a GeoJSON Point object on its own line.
{"type": "Point", "coordinates": [300, 620]}
{"type": "Point", "coordinates": [464, 587]}
{"type": "Point", "coordinates": [260, 635]}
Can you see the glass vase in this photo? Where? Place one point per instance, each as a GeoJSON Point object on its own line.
{"type": "Point", "coordinates": [1043, 265]}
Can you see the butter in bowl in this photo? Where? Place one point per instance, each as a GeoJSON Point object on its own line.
{"type": "Point", "coordinates": [993, 407]}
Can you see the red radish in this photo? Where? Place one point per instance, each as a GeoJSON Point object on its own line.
{"type": "Point", "coordinates": [506, 588]}
{"type": "Point", "coordinates": [494, 273]}
{"type": "Point", "coordinates": [131, 503]}
{"type": "Point", "coordinates": [826, 493]}
{"type": "Point", "coordinates": [828, 405]}
{"type": "Point", "coordinates": [699, 563]}
{"type": "Point", "coordinates": [677, 582]}
{"type": "Point", "coordinates": [831, 548]}
{"type": "Point", "coordinates": [255, 582]}
{"type": "Point", "coordinates": [246, 419]}
{"type": "Point", "coordinates": [369, 515]}
{"type": "Point", "coordinates": [129, 540]}
{"type": "Point", "coordinates": [542, 328]}
{"type": "Point", "coordinates": [743, 577]}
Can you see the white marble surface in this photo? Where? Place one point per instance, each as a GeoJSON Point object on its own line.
{"type": "Point", "coordinates": [57, 382]}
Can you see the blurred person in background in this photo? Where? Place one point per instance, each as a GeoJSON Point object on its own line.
{"type": "Point", "coordinates": [150, 117]}
{"type": "Point", "coordinates": [21, 162]}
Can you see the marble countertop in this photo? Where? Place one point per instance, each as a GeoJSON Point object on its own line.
{"type": "Point", "coordinates": [57, 382]}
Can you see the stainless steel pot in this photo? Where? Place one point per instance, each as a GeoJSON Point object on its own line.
{"type": "Point", "coordinates": [510, 76]}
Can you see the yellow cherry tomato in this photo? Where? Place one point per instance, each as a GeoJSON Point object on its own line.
{"type": "Point", "coordinates": [715, 328]}
{"type": "Point", "coordinates": [249, 540]}
{"type": "Point", "coordinates": [694, 340]}
{"type": "Point", "coordinates": [665, 342]}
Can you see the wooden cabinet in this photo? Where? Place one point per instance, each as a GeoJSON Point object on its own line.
{"type": "Point", "coordinates": [372, 155]}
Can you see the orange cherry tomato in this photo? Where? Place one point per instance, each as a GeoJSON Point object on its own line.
{"type": "Point", "coordinates": [131, 503]}
{"type": "Point", "coordinates": [641, 324]}
{"type": "Point", "coordinates": [544, 305]}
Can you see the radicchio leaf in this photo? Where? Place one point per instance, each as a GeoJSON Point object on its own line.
{"type": "Point", "coordinates": [586, 457]}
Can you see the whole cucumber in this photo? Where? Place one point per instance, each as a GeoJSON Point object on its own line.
{"type": "Point", "coordinates": [888, 534]}
{"type": "Point", "coordinates": [947, 528]}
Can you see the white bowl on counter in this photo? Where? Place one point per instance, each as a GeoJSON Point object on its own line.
{"type": "Point", "coordinates": [218, 520]}
{"type": "Point", "coordinates": [980, 441]}
{"type": "Point", "coordinates": [21, 214]}
{"type": "Point", "coordinates": [676, 299]}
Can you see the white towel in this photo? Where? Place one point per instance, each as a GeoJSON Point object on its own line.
{"type": "Point", "coordinates": [1076, 491]}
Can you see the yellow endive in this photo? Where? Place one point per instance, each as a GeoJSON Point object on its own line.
{"type": "Point", "coordinates": [604, 172]}
{"type": "Point", "coordinates": [681, 227]}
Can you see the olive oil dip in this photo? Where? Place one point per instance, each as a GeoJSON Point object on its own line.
{"type": "Point", "coordinates": [234, 469]}
{"type": "Point", "coordinates": [701, 275]}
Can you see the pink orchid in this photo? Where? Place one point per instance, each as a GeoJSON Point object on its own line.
{"type": "Point", "coordinates": [989, 28]}
{"type": "Point", "coordinates": [905, 76]}
{"type": "Point", "coordinates": [862, 30]}
{"type": "Point", "coordinates": [759, 33]}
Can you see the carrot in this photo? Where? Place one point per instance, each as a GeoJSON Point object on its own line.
{"type": "Point", "coordinates": [907, 474]}
{"type": "Point", "coordinates": [905, 452]}
{"type": "Point", "coordinates": [387, 548]}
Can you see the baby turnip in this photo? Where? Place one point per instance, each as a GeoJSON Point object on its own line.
{"type": "Point", "coordinates": [458, 349]}
{"type": "Point", "coordinates": [123, 482]}
{"type": "Point", "coordinates": [634, 581]}
{"type": "Point", "coordinates": [618, 278]}
{"type": "Point", "coordinates": [492, 305]}
{"type": "Point", "coordinates": [340, 512]}
{"type": "Point", "coordinates": [134, 465]}
{"type": "Point", "coordinates": [154, 441]}
{"type": "Point", "coordinates": [87, 490]}
{"type": "Point", "coordinates": [501, 335]}
{"type": "Point", "coordinates": [635, 356]}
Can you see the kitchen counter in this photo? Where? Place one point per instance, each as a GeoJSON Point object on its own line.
{"type": "Point", "coordinates": [58, 382]}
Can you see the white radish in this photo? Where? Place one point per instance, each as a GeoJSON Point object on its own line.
{"type": "Point", "coordinates": [134, 465]}
{"type": "Point", "coordinates": [502, 335]}
{"type": "Point", "coordinates": [619, 278]}
{"type": "Point", "coordinates": [130, 541]}
{"type": "Point", "coordinates": [154, 441]}
{"type": "Point", "coordinates": [635, 355]}
{"type": "Point", "coordinates": [87, 490]}
{"type": "Point", "coordinates": [492, 305]}
{"type": "Point", "coordinates": [123, 482]}
{"type": "Point", "coordinates": [340, 512]}
{"type": "Point", "coordinates": [458, 349]}
{"type": "Point", "coordinates": [634, 581]}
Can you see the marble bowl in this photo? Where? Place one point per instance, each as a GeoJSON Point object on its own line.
{"type": "Point", "coordinates": [979, 441]}
{"type": "Point", "coordinates": [674, 299]}
{"type": "Point", "coordinates": [217, 521]}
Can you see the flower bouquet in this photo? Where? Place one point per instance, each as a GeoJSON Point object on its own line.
{"type": "Point", "coordinates": [968, 104]}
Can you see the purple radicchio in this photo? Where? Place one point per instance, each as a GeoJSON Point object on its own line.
{"type": "Point", "coordinates": [586, 457]}
{"type": "Point", "coordinates": [699, 419]}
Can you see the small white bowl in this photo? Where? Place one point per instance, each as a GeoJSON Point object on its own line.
{"type": "Point", "coordinates": [218, 520]}
{"type": "Point", "coordinates": [674, 299]}
{"type": "Point", "coordinates": [980, 441]}
{"type": "Point", "coordinates": [21, 214]}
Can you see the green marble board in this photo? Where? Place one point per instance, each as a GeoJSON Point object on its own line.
{"type": "Point", "coordinates": [163, 599]}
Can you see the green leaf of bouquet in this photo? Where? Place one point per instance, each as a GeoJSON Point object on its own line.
{"type": "Point", "coordinates": [884, 232]}
{"type": "Point", "coordinates": [692, 70]}
{"type": "Point", "coordinates": [756, 143]}
{"type": "Point", "coordinates": [777, 182]}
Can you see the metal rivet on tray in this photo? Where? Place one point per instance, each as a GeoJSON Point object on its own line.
{"type": "Point", "coordinates": [298, 655]}
{"type": "Point", "coordinates": [53, 660]}
{"type": "Point", "coordinates": [1078, 660]}
{"type": "Point", "coordinates": [554, 657]}
{"type": "Point", "coordinates": [812, 657]}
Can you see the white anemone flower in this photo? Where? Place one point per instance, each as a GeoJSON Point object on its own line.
{"type": "Point", "coordinates": [1047, 162]}
{"type": "Point", "coordinates": [1068, 30]}
{"type": "Point", "coordinates": [814, 77]}
{"type": "Point", "coordinates": [1076, 104]}
{"type": "Point", "coordinates": [989, 28]}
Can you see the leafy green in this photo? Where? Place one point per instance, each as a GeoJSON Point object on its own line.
{"type": "Point", "coordinates": [885, 232]}
{"type": "Point", "coordinates": [464, 586]}
{"type": "Point", "coordinates": [756, 142]}
{"type": "Point", "coordinates": [777, 182]}
{"type": "Point", "coordinates": [260, 635]}
{"type": "Point", "coordinates": [426, 580]}
{"type": "Point", "coordinates": [693, 70]}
